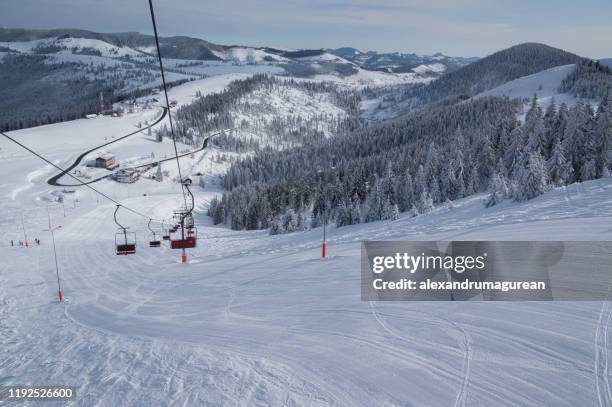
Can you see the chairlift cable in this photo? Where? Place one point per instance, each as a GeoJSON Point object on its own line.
{"type": "Point", "coordinates": [76, 179]}
{"type": "Point", "coordinates": [163, 76]}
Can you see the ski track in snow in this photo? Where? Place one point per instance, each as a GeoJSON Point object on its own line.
{"type": "Point", "coordinates": [602, 371]}
{"type": "Point", "coordinates": [467, 348]}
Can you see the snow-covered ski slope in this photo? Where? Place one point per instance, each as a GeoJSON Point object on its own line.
{"type": "Point", "coordinates": [259, 320]}
{"type": "Point", "coordinates": [545, 85]}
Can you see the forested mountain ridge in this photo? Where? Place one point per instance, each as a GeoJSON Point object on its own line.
{"type": "Point", "coordinates": [436, 154]}
{"type": "Point", "coordinates": [491, 71]}
{"type": "Point", "coordinates": [180, 47]}
{"type": "Point", "coordinates": [58, 74]}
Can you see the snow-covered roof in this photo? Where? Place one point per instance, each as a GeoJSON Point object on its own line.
{"type": "Point", "coordinates": [126, 171]}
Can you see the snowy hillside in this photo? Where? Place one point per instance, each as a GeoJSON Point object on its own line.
{"type": "Point", "coordinates": [277, 144]}
{"type": "Point", "coordinates": [544, 84]}
{"type": "Point", "coordinates": [75, 66]}
{"type": "Point", "coordinates": [71, 45]}
{"type": "Point", "coordinates": [249, 55]}
{"type": "Point", "coordinates": [262, 320]}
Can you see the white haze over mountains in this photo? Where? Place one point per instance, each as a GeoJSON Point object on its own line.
{"type": "Point", "coordinates": [456, 28]}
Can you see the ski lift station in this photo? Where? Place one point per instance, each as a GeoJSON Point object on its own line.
{"type": "Point", "coordinates": [106, 160]}
{"type": "Point", "coordinates": [127, 175]}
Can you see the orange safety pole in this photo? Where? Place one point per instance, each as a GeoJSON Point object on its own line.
{"type": "Point", "coordinates": [324, 246]}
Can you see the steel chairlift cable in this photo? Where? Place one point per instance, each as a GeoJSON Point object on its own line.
{"type": "Point", "coordinates": [76, 179]}
{"type": "Point", "coordinates": [178, 164]}
{"type": "Point", "coordinates": [163, 76]}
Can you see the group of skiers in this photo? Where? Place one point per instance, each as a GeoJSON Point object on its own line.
{"type": "Point", "coordinates": [25, 242]}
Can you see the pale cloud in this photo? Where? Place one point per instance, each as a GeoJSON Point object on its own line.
{"type": "Point", "coordinates": [456, 27]}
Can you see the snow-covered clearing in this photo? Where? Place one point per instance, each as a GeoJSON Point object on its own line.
{"type": "Point", "coordinates": [544, 85]}
{"type": "Point", "coordinates": [364, 78]}
{"type": "Point", "coordinates": [255, 319]}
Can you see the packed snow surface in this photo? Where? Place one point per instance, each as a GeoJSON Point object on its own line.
{"type": "Point", "coordinates": [426, 68]}
{"type": "Point", "coordinates": [247, 55]}
{"type": "Point", "coordinates": [254, 319]}
{"type": "Point", "coordinates": [544, 84]}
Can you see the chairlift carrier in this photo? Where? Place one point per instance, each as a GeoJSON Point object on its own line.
{"type": "Point", "coordinates": [165, 232]}
{"type": "Point", "coordinates": [153, 241]}
{"type": "Point", "coordinates": [125, 242]}
{"type": "Point", "coordinates": [188, 236]}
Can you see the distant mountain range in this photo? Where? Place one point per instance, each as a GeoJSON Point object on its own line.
{"type": "Point", "coordinates": [400, 62]}
{"type": "Point", "coordinates": [181, 47]}
{"type": "Point", "coordinates": [59, 74]}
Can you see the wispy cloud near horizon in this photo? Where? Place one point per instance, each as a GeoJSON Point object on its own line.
{"type": "Point", "coordinates": [454, 27]}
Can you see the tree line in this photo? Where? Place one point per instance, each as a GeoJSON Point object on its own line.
{"type": "Point", "coordinates": [435, 156]}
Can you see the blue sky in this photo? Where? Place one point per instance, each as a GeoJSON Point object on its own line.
{"type": "Point", "coordinates": [454, 27]}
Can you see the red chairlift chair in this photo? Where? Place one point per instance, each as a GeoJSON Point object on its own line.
{"type": "Point", "coordinates": [185, 235]}
{"type": "Point", "coordinates": [125, 243]}
{"type": "Point", "coordinates": [184, 239]}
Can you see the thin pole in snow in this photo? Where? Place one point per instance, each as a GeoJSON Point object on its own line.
{"type": "Point", "coordinates": [324, 246]}
{"type": "Point", "coordinates": [52, 230]}
{"type": "Point", "coordinates": [25, 236]}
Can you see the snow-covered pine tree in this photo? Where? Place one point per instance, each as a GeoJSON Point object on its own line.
{"type": "Point", "coordinates": [342, 215]}
{"type": "Point", "coordinates": [434, 190]}
{"type": "Point", "coordinates": [603, 135]}
{"type": "Point", "coordinates": [388, 184]}
{"type": "Point", "coordinates": [420, 183]}
{"type": "Point", "coordinates": [388, 210]}
{"type": "Point", "coordinates": [486, 161]}
{"type": "Point", "coordinates": [354, 212]}
{"type": "Point", "coordinates": [559, 170]}
{"type": "Point", "coordinates": [414, 211]}
{"type": "Point", "coordinates": [514, 149]}
{"type": "Point", "coordinates": [536, 135]}
{"type": "Point", "coordinates": [532, 179]}
{"type": "Point", "coordinates": [550, 117]}
{"type": "Point", "coordinates": [375, 204]}
{"type": "Point", "coordinates": [575, 136]}
{"type": "Point", "coordinates": [498, 190]}
{"type": "Point", "coordinates": [425, 203]}
{"type": "Point", "coordinates": [395, 212]}
{"type": "Point", "coordinates": [588, 171]}
{"type": "Point", "coordinates": [405, 191]}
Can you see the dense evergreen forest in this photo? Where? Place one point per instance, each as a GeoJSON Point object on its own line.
{"type": "Point", "coordinates": [43, 90]}
{"type": "Point", "coordinates": [435, 156]}
{"type": "Point", "coordinates": [439, 152]}
{"type": "Point", "coordinates": [589, 80]}
{"type": "Point", "coordinates": [491, 71]}
{"type": "Point", "coordinates": [42, 93]}
{"type": "Point", "coordinates": [218, 111]}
